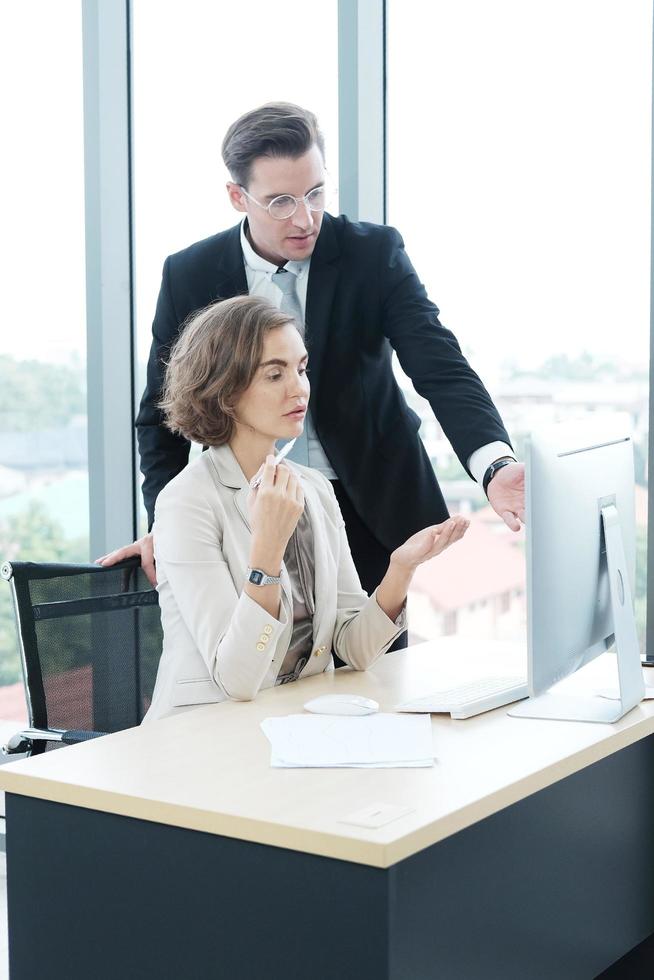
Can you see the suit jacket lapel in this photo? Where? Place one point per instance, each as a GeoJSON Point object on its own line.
{"type": "Point", "coordinates": [231, 279]}
{"type": "Point", "coordinates": [323, 276]}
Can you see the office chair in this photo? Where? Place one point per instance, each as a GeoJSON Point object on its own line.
{"type": "Point", "coordinates": [90, 641]}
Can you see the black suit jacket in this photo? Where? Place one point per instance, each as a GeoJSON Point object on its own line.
{"type": "Point", "coordinates": [363, 299]}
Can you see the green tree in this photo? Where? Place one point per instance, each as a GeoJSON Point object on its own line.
{"type": "Point", "coordinates": [31, 391]}
{"type": "Point", "coordinates": [31, 535]}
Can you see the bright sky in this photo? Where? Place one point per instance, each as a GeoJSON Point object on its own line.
{"type": "Point", "coordinates": [520, 171]}
{"type": "Point", "coordinates": [42, 180]}
{"type": "Point", "coordinates": [519, 158]}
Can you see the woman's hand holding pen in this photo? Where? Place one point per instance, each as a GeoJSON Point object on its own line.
{"type": "Point", "coordinates": [419, 548]}
{"type": "Point", "coordinates": [275, 508]}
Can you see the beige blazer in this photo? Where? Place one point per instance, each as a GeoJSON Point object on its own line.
{"type": "Point", "coordinates": [218, 642]}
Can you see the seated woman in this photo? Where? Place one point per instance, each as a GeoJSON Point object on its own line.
{"type": "Point", "coordinates": [257, 586]}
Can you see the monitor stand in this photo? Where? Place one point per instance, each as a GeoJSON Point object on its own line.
{"type": "Point", "coordinates": [570, 707]}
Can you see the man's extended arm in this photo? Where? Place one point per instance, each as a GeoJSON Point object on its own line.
{"type": "Point", "coordinates": [430, 355]}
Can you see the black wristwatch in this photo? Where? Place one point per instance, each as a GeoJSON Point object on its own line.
{"type": "Point", "coordinates": [494, 468]}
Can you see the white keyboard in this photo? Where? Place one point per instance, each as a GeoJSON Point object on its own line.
{"type": "Point", "coordinates": [471, 698]}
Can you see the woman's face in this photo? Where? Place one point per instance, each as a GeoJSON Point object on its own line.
{"type": "Point", "coordinates": [275, 403]}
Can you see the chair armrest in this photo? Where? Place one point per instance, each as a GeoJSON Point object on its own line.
{"type": "Point", "coordinates": [74, 735]}
{"type": "Point", "coordinates": [23, 741]}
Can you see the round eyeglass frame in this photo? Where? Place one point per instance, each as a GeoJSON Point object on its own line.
{"type": "Point", "coordinates": [290, 197]}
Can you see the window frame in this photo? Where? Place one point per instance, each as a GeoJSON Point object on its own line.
{"type": "Point", "coordinates": [113, 486]}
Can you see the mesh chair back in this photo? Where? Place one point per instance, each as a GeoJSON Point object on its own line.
{"type": "Point", "coordinates": [90, 641]}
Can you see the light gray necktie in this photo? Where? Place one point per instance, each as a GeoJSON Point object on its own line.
{"type": "Point", "coordinates": [287, 281]}
{"type": "Point", "coordinates": [291, 304]}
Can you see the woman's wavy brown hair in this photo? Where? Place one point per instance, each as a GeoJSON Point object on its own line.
{"type": "Point", "coordinates": [212, 362]}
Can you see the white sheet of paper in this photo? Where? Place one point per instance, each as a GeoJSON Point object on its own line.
{"type": "Point", "coordinates": [370, 741]}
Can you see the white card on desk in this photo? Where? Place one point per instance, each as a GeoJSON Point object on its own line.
{"type": "Point", "coordinates": [376, 815]}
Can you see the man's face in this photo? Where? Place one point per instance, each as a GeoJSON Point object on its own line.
{"type": "Point", "coordinates": [292, 238]}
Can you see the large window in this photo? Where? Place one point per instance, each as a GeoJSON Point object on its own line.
{"type": "Point", "coordinates": [196, 68]}
{"type": "Point", "coordinates": [43, 448]}
{"type": "Point", "coordinates": [519, 152]}
{"type": "Point", "coordinates": [518, 160]}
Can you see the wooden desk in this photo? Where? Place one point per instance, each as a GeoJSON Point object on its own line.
{"type": "Point", "coordinates": [174, 850]}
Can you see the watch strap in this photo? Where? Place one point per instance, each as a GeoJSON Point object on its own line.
{"type": "Point", "coordinates": [255, 576]}
{"type": "Point", "coordinates": [494, 468]}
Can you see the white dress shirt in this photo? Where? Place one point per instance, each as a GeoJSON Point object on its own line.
{"type": "Point", "coordinates": [259, 274]}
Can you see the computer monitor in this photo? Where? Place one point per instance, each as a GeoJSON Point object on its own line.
{"type": "Point", "coordinates": [580, 530]}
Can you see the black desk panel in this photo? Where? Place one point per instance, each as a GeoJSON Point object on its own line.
{"type": "Point", "coordinates": [556, 887]}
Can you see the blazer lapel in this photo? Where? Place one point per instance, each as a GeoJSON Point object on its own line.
{"type": "Point", "coordinates": [241, 501]}
{"type": "Point", "coordinates": [231, 475]}
{"type": "Point", "coordinates": [323, 276]}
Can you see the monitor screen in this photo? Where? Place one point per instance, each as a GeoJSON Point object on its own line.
{"type": "Point", "coordinates": [570, 477]}
{"type": "Point", "coordinates": [581, 546]}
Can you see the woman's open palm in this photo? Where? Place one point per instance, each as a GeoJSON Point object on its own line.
{"type": "Point", "coordinates": [429, 542]}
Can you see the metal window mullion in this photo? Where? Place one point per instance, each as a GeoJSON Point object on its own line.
{"type": "Point", "coordinates": [362, 109]}
{"type": "Point", "coordinates": [109, 294]}
{"type": "Point", "coordinates": [649, 635]}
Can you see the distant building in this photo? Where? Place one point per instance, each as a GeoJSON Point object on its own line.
{"type": "Point", "coordinates": [528, 403]}
{"type": "Point", "coordinates": [46, 449]}
{"type": "Point", "coordinates": [474, 589]}
{"type": "Point", "coordinates": [463, 496]}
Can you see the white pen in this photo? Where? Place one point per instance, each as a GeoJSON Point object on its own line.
{"type": "Point", "coordinates": [284, 451]}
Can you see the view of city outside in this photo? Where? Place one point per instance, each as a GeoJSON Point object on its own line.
{"type": "Point", "coordinates": [43, 444]}
{"type": "Point", "coordinates": [519, 175]}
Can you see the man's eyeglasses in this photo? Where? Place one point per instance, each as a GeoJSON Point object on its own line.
{"type": "Point", "coordinates": [286, 205]}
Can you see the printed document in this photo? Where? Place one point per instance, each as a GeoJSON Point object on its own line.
{"type": "Point", "coordinates": [368, 741]}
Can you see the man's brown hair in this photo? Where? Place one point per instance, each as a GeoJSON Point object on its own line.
{"type": "Point", "coordinates": [276, 129]}
{"type": "Point", "coordinates": [213, 362]}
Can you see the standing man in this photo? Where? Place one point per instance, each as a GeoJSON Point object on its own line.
{"type": "Point", "coordinates": [353, 289]}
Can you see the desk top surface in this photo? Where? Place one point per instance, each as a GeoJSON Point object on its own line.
{"type": "Point", "coordinates": [208, 769]}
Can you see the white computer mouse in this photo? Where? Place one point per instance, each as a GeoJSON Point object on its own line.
{"type": "Point", "coordinates": [342, 704]}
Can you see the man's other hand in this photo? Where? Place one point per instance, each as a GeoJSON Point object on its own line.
{"type": "Point", "coordinates": [506, 495]}
{"type": "Point", "coordinates": [142, 547]}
